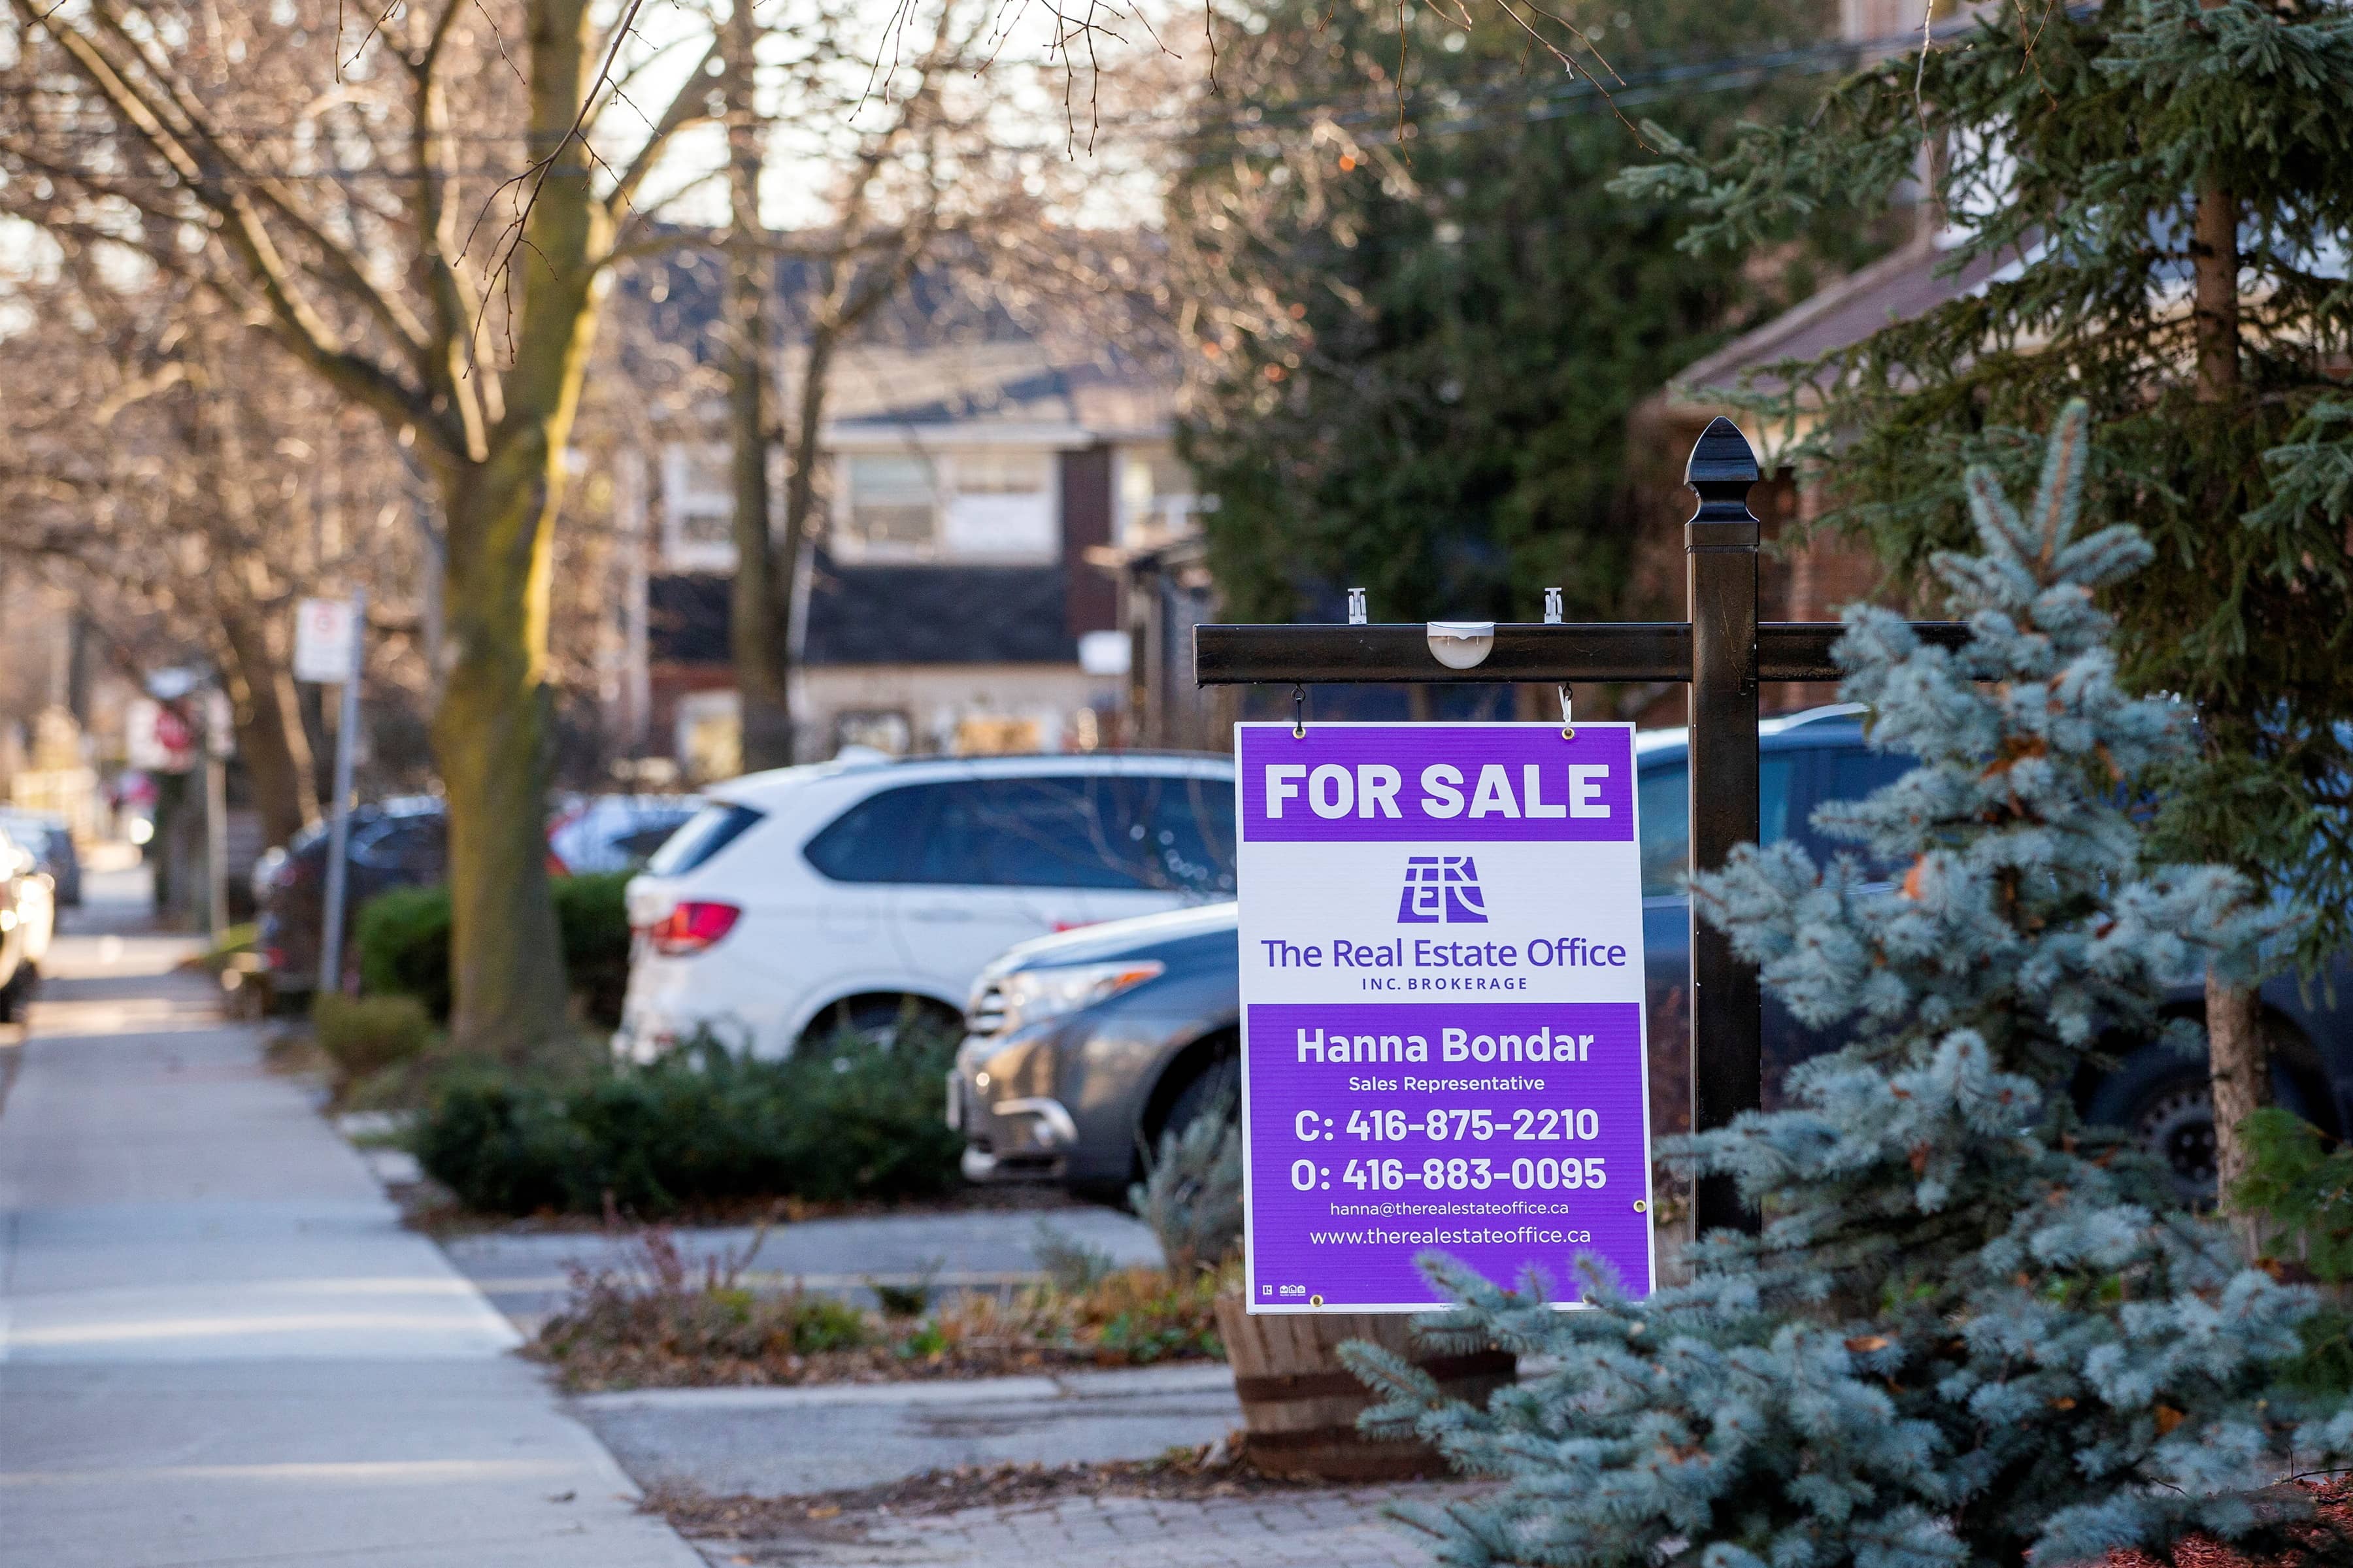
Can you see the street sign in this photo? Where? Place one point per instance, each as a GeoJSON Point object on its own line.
{"type": "Point", "coordinates": [324, 634]}
{"type": "Point", "coordinates": [157, 737]}
{"type": "Point", "coordinates": [1443, 1008]}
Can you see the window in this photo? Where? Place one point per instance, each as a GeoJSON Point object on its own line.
{"type": "Point", "coordinates": [1004, 505]}
{"type": "Point", "coordinates": [893, 503]}
{"type": "Point", "coordinates": [1019, 833]}
{"type": "Point", "coordinates": [1663, 806]}
{"type": "Point", "coordinates": [705, 833]}
{"type": "Point", "coordinates": [1001, 473]}
{"type": "Point", "coordinates": [417, 843]}
{"type": "Point", "coordinates": [1170, 831]}
{"type": "Point", "coordinates": [1853, 774]}
{"type": "Point", "coordinates": [871, 841]}
{"type": "Point", "coordinates": [697, 506]}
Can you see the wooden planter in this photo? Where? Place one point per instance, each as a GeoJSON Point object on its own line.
{"type": "Point", "coordinates": [1300, 1404]}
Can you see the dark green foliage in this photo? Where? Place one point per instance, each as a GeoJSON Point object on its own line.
{"type": "Point", "coordinates": [403, 936]}
{"type": "Point", "coordinates": [2079, 143]}
{"type": "Point", "coordinates": [593, 918]}
{"type": "Point", "coordinates": [404, 944]}
{"type": "Point", "coordinates": [2301, 1191]}
{"type": "Point", "coordinates": [366, 1035]}
{"type": "Point", "coordinates": [701, 1128]}
{"type": "Point", "coordinates": [1422, 321]}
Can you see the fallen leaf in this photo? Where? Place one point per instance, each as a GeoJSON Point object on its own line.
{"type": "Point", "coordinates": [2168, 1418]}
{"type": "Point", "coordinates": [825, 1510]}
{"type": "Point", "coordinates": [1864, 1344]}
{"type": "Point", "coordinates": [2062, 1403]}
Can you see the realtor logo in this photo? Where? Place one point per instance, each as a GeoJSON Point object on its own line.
{"type": "Point", "coordinates": [1441, 888]}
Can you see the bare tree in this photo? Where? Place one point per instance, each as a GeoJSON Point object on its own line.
{"type": "Point", "coordinates": [423, 208]}
{"type": "Point", "coordinates": [158, 458]}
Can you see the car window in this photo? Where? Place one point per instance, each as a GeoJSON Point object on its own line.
{"type": "Point", "coordinates": [1850, 773]}
{"type": "Point", "coordinates": [1040, 831]}
{"type": "Point", "coordinates": [637, 847]}
{"type": "Point", "coordinates": [704, 834]}
{"type": "Point", "coordinates": [1663, 807]}
{"type": "Point", "coordinates": [871, 841]}
{"type": "Point", "coordinates": [413, 844]}
{"type": "Point", "coordinates": [1171, 832]}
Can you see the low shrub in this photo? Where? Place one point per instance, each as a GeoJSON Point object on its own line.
{"type": "Point", "coordinates": [661, 1320]}
{"type": "Point", "coordinates": [404, 944]}
{"type": "Point", "coordinates": [364, 1034]}
{"type": "Point", "coordinates": [701, 1129]}
{"type": "Point", "coordinates": [592, 916]}
{"type": "Point", "coordinates": [1192, 1196]}
{"type": "Point", "coordinates": [403, 936]}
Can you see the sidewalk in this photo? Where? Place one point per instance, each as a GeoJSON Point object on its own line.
{"type": "Point", "coordinates": [218, 1346]}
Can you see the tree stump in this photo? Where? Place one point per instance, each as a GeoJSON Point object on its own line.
{"type": "Point", "coordinates": [1300, 1404]}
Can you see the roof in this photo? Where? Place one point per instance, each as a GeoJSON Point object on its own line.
{"type": "Point", "coordinates": [1908, 282]}
{"type": "Point", "coordinates": [944, 350]}
{"type": "Point", "coordinates": [883, 614]}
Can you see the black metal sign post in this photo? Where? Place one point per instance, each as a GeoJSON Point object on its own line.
{"type": "Point", "coordinates": [1723, 652]}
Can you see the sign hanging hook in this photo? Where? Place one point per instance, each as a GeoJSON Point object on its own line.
{"type": "Point", "coordinates": [1298, 712]}
{"type": "Point", "coordinates": [1568, 717]}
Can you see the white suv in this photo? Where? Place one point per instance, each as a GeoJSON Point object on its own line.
{"type": "Point", "coordinates": [840, 894]}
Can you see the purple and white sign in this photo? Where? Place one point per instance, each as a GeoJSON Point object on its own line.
{"type": "Point", "coordinates": [1441, 986]}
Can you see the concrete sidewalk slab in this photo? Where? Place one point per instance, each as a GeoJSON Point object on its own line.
{"type": "Point", "coordinates": [789, 1441]}
{"type": "Point", "coordinates": [218, 1346]}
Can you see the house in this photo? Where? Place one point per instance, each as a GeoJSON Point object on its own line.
{"type": "Point", "coordinates": [949, 604]}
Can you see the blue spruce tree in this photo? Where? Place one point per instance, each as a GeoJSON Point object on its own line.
{"type": "Point", "coordinates": [1971, 1331]}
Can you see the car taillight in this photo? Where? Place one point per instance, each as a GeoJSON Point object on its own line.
{"type": "Point", "coordinates": [692, 927]}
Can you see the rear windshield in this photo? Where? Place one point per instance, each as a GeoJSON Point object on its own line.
{"type": "Point", "coordinates": [704, 834]}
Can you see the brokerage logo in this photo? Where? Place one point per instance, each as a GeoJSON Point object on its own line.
{"type": "Point", "coordinates": [1441, 888]}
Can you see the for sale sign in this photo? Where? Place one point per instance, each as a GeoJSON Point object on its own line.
{"type": "Point", "coordinates": [1441, 986]}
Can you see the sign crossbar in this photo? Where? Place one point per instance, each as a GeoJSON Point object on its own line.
{"type": "Point", "coordinates": [1723, 653]}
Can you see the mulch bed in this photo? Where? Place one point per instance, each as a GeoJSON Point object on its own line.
{"type": "Point", "coordinates": [617, 1368]}
{"type": "Point", "coordinates": [2325, 1543]}
{"type": "Point", "coordinates": [1189, 1475]}
{"type": "Point", "coordinates": [427, 1208]}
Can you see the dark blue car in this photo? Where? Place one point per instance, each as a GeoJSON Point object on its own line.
{"type": "Point", "coordinates": [1075, 1094]}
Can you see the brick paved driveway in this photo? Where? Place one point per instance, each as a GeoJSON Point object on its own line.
{"type": "Point", "coordinates": [1291, 1530]}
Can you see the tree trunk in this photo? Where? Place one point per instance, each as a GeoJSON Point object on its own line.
{"type": "Point", "coordinates": [802, 458]}
{"type": "Point", "coordinates": [759, 609]}
{"type": "Point", "coordinates": [2214, 299]}
{"type": "Point", "coordinates": [2236, 1047]}
{"type": "Point", "coordinates": [2234, 1037]}
{"type": "Point", "coordinates": [492, 741]}
{"type": "Point", "coordinates": [268, 714]}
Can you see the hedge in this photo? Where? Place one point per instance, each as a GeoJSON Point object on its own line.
{"type": "Point", "coordinates": [700, 1128]}
{"type": "Point", "coordinates": [404, 944]}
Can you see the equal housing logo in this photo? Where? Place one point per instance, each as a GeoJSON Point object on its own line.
{"type": "Point", "coordinates": [1441, 889]}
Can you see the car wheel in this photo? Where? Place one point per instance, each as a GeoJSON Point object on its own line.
{"type": "Point", "coordinates": [1217, 1088]}
{"type": "Point", "coordinates": [877, 1021]}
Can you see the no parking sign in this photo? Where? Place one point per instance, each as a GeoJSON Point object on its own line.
{"type": "Point", "coordinates": [1442, 995]}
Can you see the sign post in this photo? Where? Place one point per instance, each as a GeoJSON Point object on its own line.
{"type": "Point", "coordinates": [1723, 652]}
{"type": "Point", "coordinates": [330, 646]}
{"type": "Point", "coordinates": [1442, 1007]}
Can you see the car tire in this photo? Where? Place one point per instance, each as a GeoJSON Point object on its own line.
{"type": "Point", "coordinates": [874, 1020]}
{"type": "Point", "coordinates": [1216, 1086]}
{"type": "Point", "coordinates": [16, 992]}
{"type": "Point", "coordinates": [2163, 1102]}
